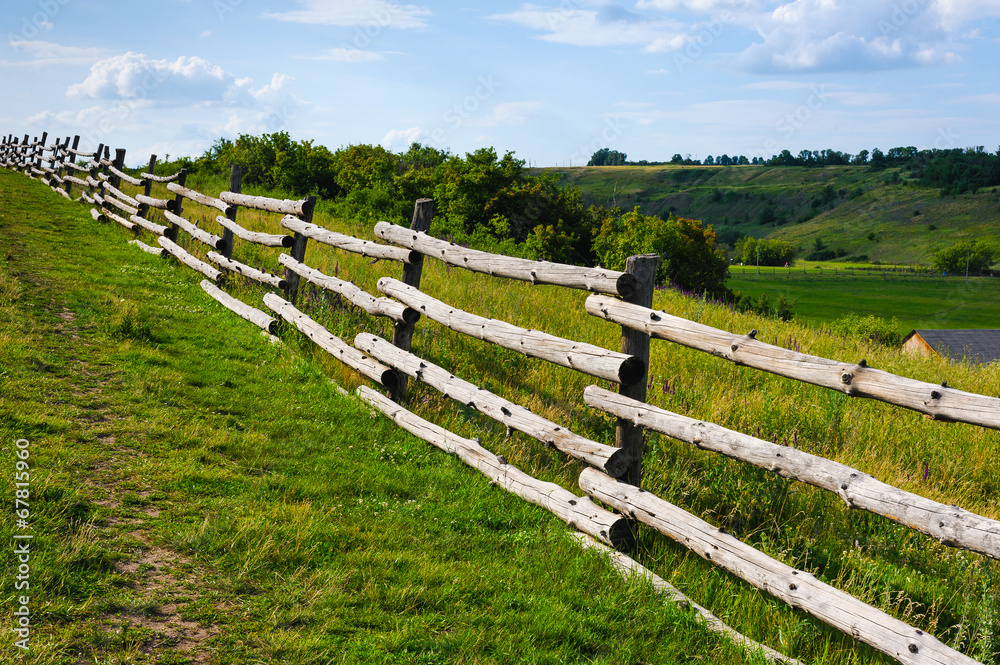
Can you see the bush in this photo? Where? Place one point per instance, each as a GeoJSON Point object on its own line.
{"type": "Point", "coordinates": [978, 256]}
{"type": "Point", "coordinates": [771, 252]}
{"type": "Point", "coordinates": [869, 328]}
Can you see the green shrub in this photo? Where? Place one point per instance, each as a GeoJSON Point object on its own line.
{"type": "Point", "coordinates": [869, 328]}
{"type": "Point", "coordinates": [124, 320]}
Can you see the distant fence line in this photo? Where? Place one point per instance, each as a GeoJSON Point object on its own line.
{"type": "Point", "coordinates": [623, 298]}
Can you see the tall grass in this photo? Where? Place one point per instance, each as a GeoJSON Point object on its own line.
{"type": "Point", "coordinates": [947, 592]}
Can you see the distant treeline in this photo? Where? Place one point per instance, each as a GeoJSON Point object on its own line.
{"type": "Point", "coordinates": [481, 199]}
{"type": "Point", "coordinates": [954, 170]}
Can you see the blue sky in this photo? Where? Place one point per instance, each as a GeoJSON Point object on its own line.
{"type": "Point", "coordinates": [551, 80]}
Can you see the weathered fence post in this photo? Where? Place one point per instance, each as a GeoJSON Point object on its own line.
{"type": "Point", "coordinates": [298, 252]}
{"type": "Point", "coordinates": [402, 334]}
{"type": "Point", "coordinates": [236, 187]}
{"type": "Point", "coordinates": [71, 156]}
{"type": "Point", "coordinates": [635, 343]}
{"type": "Point", "coordinates": [178, 206]}
{"type": "Point", "coordinates": [148, 185]}
{"type": "Point", "coordinates": [119, 164]}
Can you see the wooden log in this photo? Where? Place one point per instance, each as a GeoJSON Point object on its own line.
{"type": "Point", "coordinates": [937, 401]}
{"type": "Point", "coordinates": [121, 205]}
{"type": "Point", "coordinates": [629, 568]}
{"type": "Point", "coordinates": [80, 153]}
{"type": "Point", "coordinates": [92, 182]}
{"type": "Point", "coordinates": [122, 196]}
{"type": "Point", "coordinates": [536, 272]}
{"type": "Point", "coordinates": [114, 217]}
{"type": "Point", "coordinates": [245, 270]}
{"type": "Point", "coordinates": [798, 588]}
{"type": "Point", "coordinates": [187, 259]}
{"type": "Point", "coordinates": [198, 197]}
{"type": "Point", "coordinates": [161, 204]}
{"type": "Point", "coordinates": [104, 177]}
{"type": "Point", "coordinates": [63, 193]}
{"type": "Point", "coordinates": [348, 243]}
{"type": "Point", "coordinates": [251, 314]}
{"type": "Point", "coordinates": [285, 207]}
{"type": "Point", "coordinates": [355, 295]}
{"type": "Point", "coordinates": [95, 214]}
{"type": "Point", "coordinates": [950, 525]}
{"type": "Point", "coordinates": [265, 239]}
{"type": "Point", "coordinates": [76, 167]}
{"type": "Point", "coordinates": [585, 358]}
{"type": "Point", "coordinates": [87, 198]}
{"type": "Point", "coordinates": [636, 343]}
{"type": "Point", "coordinates": [40, 172]}
{"type": "Point", "coordinates": [156, 251]}
{"type": "Point", "coordinates": [75, 180]}
{"type": "Point", "coordinates": [124, 176]}
{"type": "Point", "coordinates": [152, 227]}
{"type": "Point", "coordinates": [332, 344]}
{"type": "Point", "coordinates": [613, 460]}
{"type": "Point", "coordinates": [161, 178]}
{"type": "Point", "coordinates": [579, 512]}
{"type": "Point", "coordinates": [195, 232]}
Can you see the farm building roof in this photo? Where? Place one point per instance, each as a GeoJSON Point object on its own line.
{"type": "Point", "coordinates": [975, 345]}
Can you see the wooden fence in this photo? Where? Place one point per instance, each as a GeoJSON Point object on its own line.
{"type": "Point", "coordinates": [613, 472]}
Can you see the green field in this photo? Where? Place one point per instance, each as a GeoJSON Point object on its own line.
{"type": "Point", "coordinates": [203, 496]}
{"type": "Point", "coordinates": [917, 301]}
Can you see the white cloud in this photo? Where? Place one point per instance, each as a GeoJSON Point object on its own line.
{"type": "Point", "coordinates": [400, 139]}
{"type": "Point", "coordinates": [42, 54]}
{"type": "Point", "coordinates": [372, 15]}
{"type": "Point", "coordinates": [951, 14]}
{"type": "Point", "coordinates": [510, 113]}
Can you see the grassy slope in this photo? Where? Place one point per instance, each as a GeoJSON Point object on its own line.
{"type": "Point", "coordinates": [886, 211]}
{"type": "Point", "coordinates": [949, 593]}
{"type": "Point", "coordinates": [199, 495]}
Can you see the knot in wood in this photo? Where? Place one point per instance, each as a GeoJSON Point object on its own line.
{"type": "Point", "coordinates": [846, 378]}
{"type": "Point", "coordinates": [752, 334]}
{"type": "Point", "coordinates": [653, 316]}
{"type": "Point", "coordinates": [862, 363]}
{"type": "Point", "coordinates": [734, 347]}
{"type": "Point", "coordinates": [792, 587]}
{"type": "Point", "coordinates": [913, 648]}
{"type": "Point", "coordinates": [935, 394]}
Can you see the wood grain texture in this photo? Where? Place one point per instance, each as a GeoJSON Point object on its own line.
{"type": "Point", "coordinates": [949, 525]}
{"type": "Point", "coordinates": [798, 588]}
{"type": "Point", "coordinates": [613, 460]}
{"type": "Point", "coordinates": [265, 239]}
{"type": "Point", "coordinates": [195, 232]}
{"type": "Point", "coordinates": [187, 259]}
{"type": "Point", "coordinates": [535, 272]}
{"type": "Point", "coordinates": [255, 316]}
{"type": "Point", "coordinates": [857, 380]}
{"type": "Point", "coordinates": [247, 271]}
{"type": "Point", "coordinates": [348, 243]}
{"type": "Point", "coordinates": [285, 206]}
{"type": "Point", "coordinates": [586, 358]}
{"type": "Point", "coordinates": [579, 512]}
{"type": "Point", "coordinates": [198, 197]}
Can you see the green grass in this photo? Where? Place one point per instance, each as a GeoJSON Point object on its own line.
{"type": "Point", "coordinates": [225, 451]}
{"type": "Point", "coordinates": [917, 301]}
{"type": "Point", "coordinates": [868, 218]}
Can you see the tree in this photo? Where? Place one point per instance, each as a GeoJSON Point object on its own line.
{"type": "Point", "coordinates": [771, 252]}
{"type": "Point", "coordinates": [607, 157]}
{"type": "Point", "coordinates": [979, 254]}
{"type": "Point", "coordinates": [691, 259]}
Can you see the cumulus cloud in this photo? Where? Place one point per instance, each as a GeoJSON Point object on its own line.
{"type": "Point", "coordinates": [400, 139]}
{"type": "Point", "coordinates": [368, 14]}
{"type": "Point", "coordinates": [347, 54]}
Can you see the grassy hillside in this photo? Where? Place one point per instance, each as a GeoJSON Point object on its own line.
{"type": "Point", "coordinates": [180, 476]}
{"type": "Point", "coordinates": [842, 206]}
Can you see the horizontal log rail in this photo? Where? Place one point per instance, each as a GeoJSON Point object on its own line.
{"type": "Point", "coordinates": [349, 243]}
{"type": "Point", "coordinates": [155, 251]}
{"type": "Point", "coordinates": [265, 239]}
{"type": "Point", "coordinates": [132, 180]}
{"type": "Point", "coordinates": [96, 214]}
{"type": "Point", "coordinates": [91, 182]}
{"type": "Point", "coordinates": [355, 295]}
{"type": "Point", "coordinates": [498, 265]}
{"type": "Point", "coordinates": [937, 401]}
{"type": "Point", "coordinates": [63, 193]}
{"type": "Point", "coordinates": [161, 178]}
{"type": "Point", "coordinates": [122, 196]}
{"type": "Point", "coordinates": [798, 588]}
{"type": "Point", "coordinates": [198, 197]}
{"type": "Point", "coordinates": [579, 512]}
{"type": "Point", "coordinates": [75, 181]}
{"type": "Point", "coordinates": [950, 525]}
{"type": "Point", "coordinates": [152, 227]}
{"type": "Point", "coordinates": [255, 316]}
{"type": "Point", "coordinates": [586, 358]}
{"type": "Point", "coordinates": [80, 153]}
{"type": "Point", "coordinates": [196, 232]}
{"type": "Point", "coordinates": [121, 205]}
{"type": "Point", "coordinates": [286, 206]}
{"type": "Point", "coordinates": [332, 344]}
{"type": "Point", "coordinates": [246, 271]}
{"type": "Point", "coordinates": [160, 204]}
{"type": "Point", "coordinates": [104, 177]}
{"type": "Point", "coordinates": [76, 167]}
{"type": "Point", "coordinates": [187, 259]}
{"type": "Point", "coordinates": [87, 198]}
{"type": "Point", "coordinates": [615, 461]}
{"type": "Point", "coordinates": [629, 568]}
{"type": "Point", "coordinates": [115, 217]}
